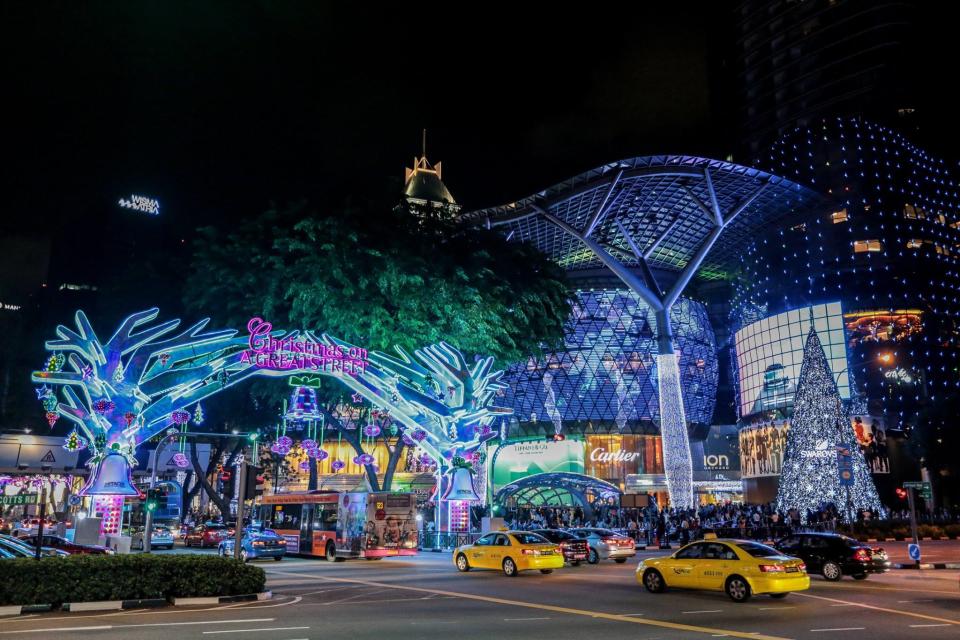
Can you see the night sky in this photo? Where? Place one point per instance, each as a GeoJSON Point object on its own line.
{"type": "Point", "coordinates": [218, 108]}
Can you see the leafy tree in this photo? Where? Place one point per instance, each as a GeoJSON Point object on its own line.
{"type": "Point", "coordinates": [378, 276]}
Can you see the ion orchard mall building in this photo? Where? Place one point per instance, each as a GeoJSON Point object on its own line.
{"type": "Point", "coordinates": [852, 228]}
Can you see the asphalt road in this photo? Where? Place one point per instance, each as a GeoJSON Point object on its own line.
{"type": "Point", "coordinates": [425, 597]}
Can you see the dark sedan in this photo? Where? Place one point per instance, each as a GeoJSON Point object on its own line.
{"type": "Point", "coordinates": [833, 555]}
{"type": "Point", "coordinates": [575, 550]}
{"type": "Point", "coordinates": [57, 542]}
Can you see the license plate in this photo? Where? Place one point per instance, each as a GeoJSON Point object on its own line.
{"type": "Point", "coordinates": [579, 556]}
{"type": "Point", "coordinates": [546, 553]}
{"type": "Point", "coordinates": [792, 569]}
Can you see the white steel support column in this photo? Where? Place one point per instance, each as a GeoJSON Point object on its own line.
{"type": "Point", "coordinates": [677, 459]}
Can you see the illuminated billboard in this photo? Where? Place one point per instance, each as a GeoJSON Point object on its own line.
{"type": "Point", "coordinates": [516, 460]}
{"type": "Point", "coordinates": [770, 351]}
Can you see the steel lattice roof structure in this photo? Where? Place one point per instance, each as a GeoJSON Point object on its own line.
{"type": "Point", "coordinates": [652, 213]}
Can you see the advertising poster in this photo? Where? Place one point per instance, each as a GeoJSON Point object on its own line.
{"type": "Point", "coordinates": [872, 438]}
{"type": "Point", "coordinates": [518, 460]}
{"type": "Point", "coordinates": [391, 523]}
{"type": "Point", "coordinates": [762, 447]}
{"type": "Point", "coordinates": [769, 353]}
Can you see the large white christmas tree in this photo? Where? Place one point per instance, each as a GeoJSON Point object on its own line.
{"type": "Point", "coordinates": [810, 477]}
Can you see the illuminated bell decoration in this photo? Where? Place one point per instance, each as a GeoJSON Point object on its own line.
{"type": "Point", "coordinates": [180, 417]}
{"type": "Point", "coordinates": [337, 465]}
{"type": "Point", "coordinates": [112, 476]}
{"type": "Point", "coordinates": [461, 486]}
{"type": "Point", "coordinates": [371, 431]}
{"type": "Point", "coordinates": [180, 460]}
{"type": "Point", "coordinates": [52, 417]}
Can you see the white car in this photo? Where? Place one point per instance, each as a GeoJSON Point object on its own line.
{"type": "Point", "coordinates": [162, 537]}
{"type": "Point", "coordinates": [606, 545]}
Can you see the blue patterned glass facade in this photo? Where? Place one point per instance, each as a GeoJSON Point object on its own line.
{"type": "Point", "coordinates": [606, 377]}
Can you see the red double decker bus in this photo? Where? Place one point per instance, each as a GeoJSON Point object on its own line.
{"type": "Point", "coordinates": [337, 525]}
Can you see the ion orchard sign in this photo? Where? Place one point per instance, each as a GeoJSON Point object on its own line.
{"type": "Point", "coordinates": [267, 352]}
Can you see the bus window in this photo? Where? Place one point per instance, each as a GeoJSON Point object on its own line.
{"type": "Point", "coordinates": [286, 516]}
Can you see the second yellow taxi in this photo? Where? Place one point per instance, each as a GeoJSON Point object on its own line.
{"type": "Point", "coordinates": [740, 568]}
{"type": "Point", "coordinates": [510, 552]}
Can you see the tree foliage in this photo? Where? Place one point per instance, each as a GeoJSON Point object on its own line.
{"type": "Point", "coordinates": [377, 277]}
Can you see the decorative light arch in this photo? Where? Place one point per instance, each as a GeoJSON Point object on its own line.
{"type": "Point", "coordinates": [145, 379]}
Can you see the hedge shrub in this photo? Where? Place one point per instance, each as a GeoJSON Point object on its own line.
{"type": "Point", "coordinates": [86, 578]}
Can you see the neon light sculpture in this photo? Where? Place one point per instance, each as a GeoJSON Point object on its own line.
{"type": "Point", "coordinates": [435, 399]}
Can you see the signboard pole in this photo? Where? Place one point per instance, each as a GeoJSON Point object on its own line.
{"type": "Point", "coordinates": [913, 520]}
{"type": "Point", "coordinates": [238, 533]}
{"type": "Point", "coordinates": [43, 515]}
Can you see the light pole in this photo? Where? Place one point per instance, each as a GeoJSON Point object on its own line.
{"type": "Point", "coordinates": [148, 524]}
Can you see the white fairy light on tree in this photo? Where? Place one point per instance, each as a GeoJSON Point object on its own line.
{"type": "Point", "coordinates": [676, 443]}
{"type": "Point", "coordinates": [810, 475]}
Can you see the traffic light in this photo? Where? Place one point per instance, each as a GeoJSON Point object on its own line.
{"type": "Point", "coordinates": [255, 480]}
{"type": "Point", "coordinates": [226, 475]}
{"type": "Point", "coordinates": [901, 493]}
{"type": "Point", "coordinates": [153, 499]}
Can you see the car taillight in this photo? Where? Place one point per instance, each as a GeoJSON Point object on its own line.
{"type": "Point", "coordinates": [771, 568]}
{"type": "Point", "coordinates": [861, 555]}
{"type": "Point", "coordinates": [802, 566]}
{"type": "Point", "coordinates": [531, 552]}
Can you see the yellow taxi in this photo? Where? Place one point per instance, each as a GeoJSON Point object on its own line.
{"type": "Point", "coordinates": [510, 552]}
{"type": "Point", "coordinates": [740, 568]}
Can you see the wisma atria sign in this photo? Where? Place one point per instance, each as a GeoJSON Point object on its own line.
{"type": "Point", "coordinates": [142, 204]}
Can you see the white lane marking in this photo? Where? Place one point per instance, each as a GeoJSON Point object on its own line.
{"type": "Point", "coordinates": [106, 627]}
{"type": "Point", "coordinates": [775, 608]}
{"type": "Point", "coordinates": [522, 619]}
{"type": "Point", "coordinates": [917, 626]}
{"type": "Point", "coordinates": [906, 601]}
{"type": "Point", "coordinates": [845, 604]}
{"type": "Point", "coordinates": [254, 604]}
{"type": "Point", "coordinates": [704, 611]}
{"type": "Point", "coordinates": [884, 609]}
{"type": "Point", "coordinates": [208, 633]}
{"type": "Point", "coordinates": [841, 629]}
{"type": "Point", "coordinates": [359, 595]}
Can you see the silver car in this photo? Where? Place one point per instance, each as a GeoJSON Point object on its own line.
{"type": "Point", "coordinates": [162, 537]}
{"type": "Point", "coordinates": [606, 545]}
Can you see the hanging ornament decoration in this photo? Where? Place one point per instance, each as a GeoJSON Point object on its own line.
{"type": "Point", "coordinates": [371, 431]}
{"type": "Point", "coordinates": [320, 454]}
{"type": "Point", "coordinates": [198, 414]}
{"type": "Point", "coordinates": [425, 459]}
{"type": "Point", "coordinates": [337, 465]}
{"type": "Point", "coordinates": [50, 403]}
{"type": "Point", "coordinates": [74, 442]}
{"type": "Point", "coordinates": [180, 417]}
{"type": "Point", "coordinates": [43, 392]}
{"type": "Point", "coordinates": [419, 435]}
{"type": "Point", "coordinates": [164, 357]}
{"type": "Point", "coordinates": [180, 459]}
{"type": "Point", "coordinates": [409, 440]}
{"type": "Point", "coordinates": [52, 417]}
{"type": "Point", "coordinates": [55, 362]}
{"type": "Point", "coordinates": [357, 398]}
{"type": "Point", "coordinates": [305, 465]}
{"type": "Point", "coordinates": [129, 417]}
{"type": "Point", "coordinates": [482, 430]}
{"type": "Point", "coordinates": [309, 445]}
{"type": "Point", "coordinates": [282, 446]}
{"type": "Point", "coordinates": [364, 459]}
{"type": "Point", "coordinates": [103, 406]}
{"type": "Point", "coordinates": [119, 374]}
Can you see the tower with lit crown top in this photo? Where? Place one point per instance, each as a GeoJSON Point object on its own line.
{"type": "Point", "coordinates": [424, 193]}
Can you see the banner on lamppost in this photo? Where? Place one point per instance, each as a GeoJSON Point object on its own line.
{"type": "Point", "coordinates": [845, 464]}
